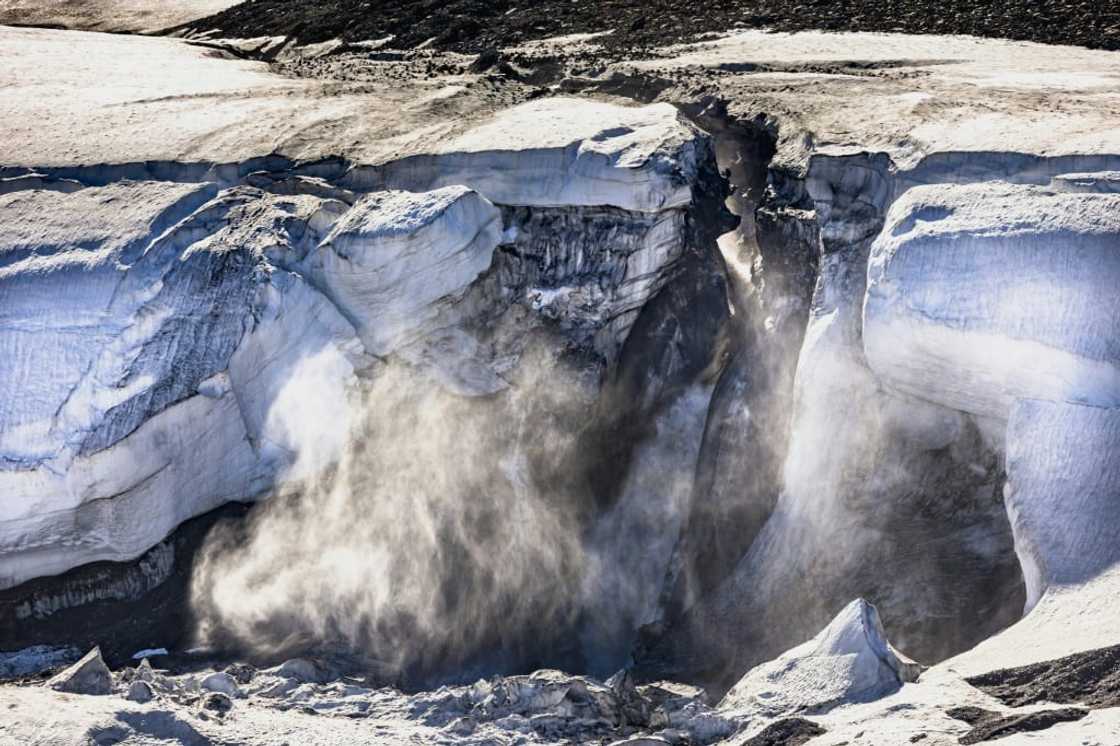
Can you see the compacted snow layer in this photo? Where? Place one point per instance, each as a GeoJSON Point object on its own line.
{"type": "Point", "coordinates": [981, 294]}
{"type": "Point", "coordinates": [427, 134]}
{"type": "Point", "coordinates": [108, 15]}
{"type": "Point", "coordinates": [975, 109]}
{"type": "Point", "coordinates": [645, 160]}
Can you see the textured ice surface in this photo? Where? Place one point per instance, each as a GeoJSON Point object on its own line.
{"type": "Point", "coordinates": [395, 254]}
{"type": "Point", "coordinates": [56, 345]}
{"type": "Point", "coordinates": [140, 337]}
{"type": "Point", "coordinates": [983, 293]}
{"type": "Point", "coordinates": [558, 152]}
{"type": "Point", "coordinates": [849, 661]}
{"type": "Point", "coordinates": [1063, 485]}
{"type": "Point", "coordinates": [172, 339]}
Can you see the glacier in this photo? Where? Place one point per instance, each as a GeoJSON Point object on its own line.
{"type": "Point", "coordinates": [896, 379]}
{"type": "Point", "coordinates": [217, 311]}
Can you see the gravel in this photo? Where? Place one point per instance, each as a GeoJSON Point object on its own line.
{"type": "Point", "coordinates": [477, 25]}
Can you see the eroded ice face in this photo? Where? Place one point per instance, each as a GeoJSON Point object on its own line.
{"type": "Point", "coordinates": [978, 295]}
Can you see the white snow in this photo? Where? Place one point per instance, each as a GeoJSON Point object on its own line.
{"type": "Point", "coordinates": [981, 294]}
{"type": "Point", "coordinates": [552, 151]}
{"type": "Point", "coordinates": [109, 15]}
{"type": "Point", "coordinates": [913, 96]}
{"type": "Point", "coordinates": [557, 151]}
{"type": "Point", "coordinates": [395, 254]}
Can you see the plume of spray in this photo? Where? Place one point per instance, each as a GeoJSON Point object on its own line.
{"type": "Point", "coordinates": [445, 536]}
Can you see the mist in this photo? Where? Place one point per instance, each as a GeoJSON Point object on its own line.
{"type": "Point", "coordinates": [448, 537]}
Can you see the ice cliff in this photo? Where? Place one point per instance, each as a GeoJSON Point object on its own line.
{"type": "Point", "coordinates": [896, 379]}
{"type": "Point", "coordinates": [178, 311]}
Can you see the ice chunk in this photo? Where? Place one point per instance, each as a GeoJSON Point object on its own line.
{"type": "Point", "coordinates": [90, 675]}
{"type": "Point", "coordinates": [849, 661]}
{"type": "Point", "coordinates": [395, 254]}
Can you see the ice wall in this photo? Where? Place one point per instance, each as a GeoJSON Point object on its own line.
{"type": "Point", "coordinates": [204, 342]}
{"type": "Point", "coordinates": [1062, 492]}
{"type": "Point", "coordinates": [980, 294]}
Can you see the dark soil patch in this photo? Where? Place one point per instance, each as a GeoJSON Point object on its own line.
{"type": "Point", "coordinates": [477, 25]}
{"type": "Point", "coordinates": [988, 726]}
{"type": "Point", "coordinates": [1091, 678]}
{"type": "Point", "coordinates": [788, 732]}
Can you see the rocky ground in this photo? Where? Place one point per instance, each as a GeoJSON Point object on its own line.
{"type": "Point", "coordinates": [846, 686]}
{"type": "Point", "coordinates": [192, 700]}
{"type": "Point", "coordinates": [475, 25]}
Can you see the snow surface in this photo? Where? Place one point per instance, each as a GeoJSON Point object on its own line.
{"type": "Point", "coordinates": [912, 96]}
{"type": "Point", "coordinates": [849, 661]}
{"type": "Point", "coordinates": [646, 160]}
{"type": "Point", "coordinates": [180, 294]}
{"type": "Point", "coordinates": [553, 151]}
{"type": "Point", "coordinates": [109, 15]}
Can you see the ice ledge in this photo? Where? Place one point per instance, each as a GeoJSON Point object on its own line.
{"type": "Point", "coordinates": [135, 100]}
{"type": "Point", "coordinates": [981, 294]}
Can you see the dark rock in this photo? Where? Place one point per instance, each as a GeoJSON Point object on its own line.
{"type": "Point", "coordinates": [633, 708]}
{"type": "Point", "coordinates": [788, 732]}
{"type": "Point", "coordinates": [1091, 678]}
{"type": "Point", "coordinates": [487, 59]}
{"type": "Point", "coordinates": [242, 673]}
{"type": "Point", "coordinates": [988, 726]}
{"type": "Point", "coordinates": [476, 25]}
{"type": "Point", "coordinates": [119, 606]}
{"type": "Point", "coordinates": [217, 703]}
